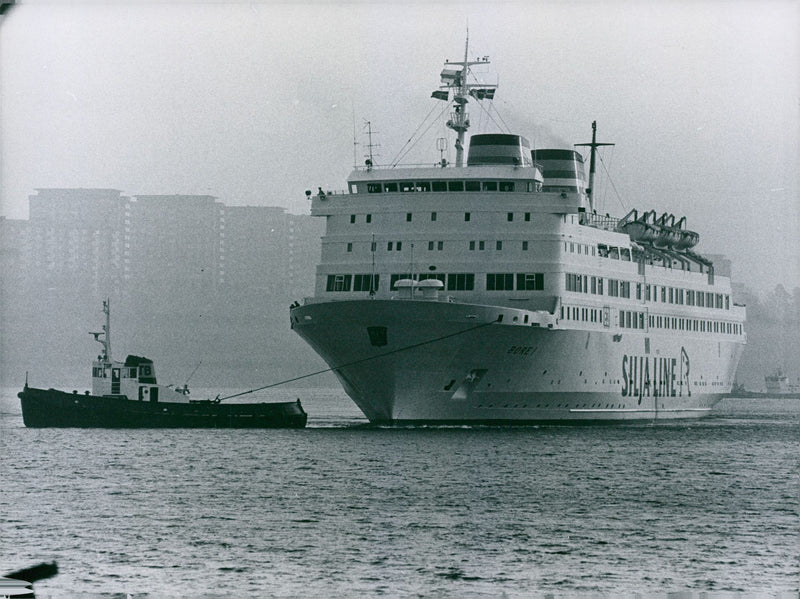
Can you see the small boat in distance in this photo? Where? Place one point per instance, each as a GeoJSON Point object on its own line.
{"type": "Point", "coordinates": [127, 395]}
{"type": "Point", "coordinates": [778, 386]}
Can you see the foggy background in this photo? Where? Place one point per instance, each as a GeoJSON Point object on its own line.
{"type": "Point", "coordinates": [252, 104]}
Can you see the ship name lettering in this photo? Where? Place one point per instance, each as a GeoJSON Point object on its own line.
{"type": "Point", "coordinates": [654, 376]}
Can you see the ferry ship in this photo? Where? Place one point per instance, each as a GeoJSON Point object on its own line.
{"type": "Point", "coordinates": [491, 291]}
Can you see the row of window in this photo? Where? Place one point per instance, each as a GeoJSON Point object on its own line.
{"type": "Point", "coordinates": [397, 246]}
{"type": "Point", "coordinates": [632, 319]}
{"type": "Point", "coordinates": [584, 314]}
{"type": "Point", "coordinates": [99, 372]}
{"type": "Point", "coordinates": [595, 285]}
{"type": "Point", "coordinates": [451, 281]}
{"type": "Point", "coordinates": [673, 295]}
{"type": "Point", "coordinates": [510, 216]}
{"type": "Point", "coordinates": [352, 282]}
{"type": "Point", "coordinates": [440, 186]}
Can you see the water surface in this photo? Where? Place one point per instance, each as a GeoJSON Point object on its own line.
{"type": "Point", "coordinates": [344, 509]}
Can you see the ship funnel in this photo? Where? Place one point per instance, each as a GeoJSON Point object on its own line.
{"type": "Point", "coordinates": [562, 170]}
{"type": "Point", "coordinates": [499, 148]}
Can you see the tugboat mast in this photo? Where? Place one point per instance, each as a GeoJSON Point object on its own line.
{"type": "Point", "coordinates": [106, 333]}
{"type": "Point", "coordinates": [594, 144]}
{"type": "Point", "coordinates": [107, 329]}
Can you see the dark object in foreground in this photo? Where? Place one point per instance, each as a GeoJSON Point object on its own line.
{"type": "Point", "coordinates": [127, 395]}
{"type": "Point", "coordinates": [53, 408]}
{"type": "Point", "coordinates": [35, 573]}
{"type": "Point", "coordinates": [19, 584]}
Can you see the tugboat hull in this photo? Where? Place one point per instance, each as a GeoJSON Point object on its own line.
{"type": "Point", "coordinates": [52, 408]}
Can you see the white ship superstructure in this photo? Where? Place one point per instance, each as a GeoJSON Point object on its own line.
{"type": "Point", "coordinates": [491, 291]}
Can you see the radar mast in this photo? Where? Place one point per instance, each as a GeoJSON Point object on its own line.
{"type": "Point", "coordinates": [454, 79]}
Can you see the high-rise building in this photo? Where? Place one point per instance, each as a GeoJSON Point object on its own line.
{"type": "Point", "coordinates": [177, 246]}
{"type": "Point", "coordinates": [78, 240]}
{"type": "Point", "coordinates": [257, 240]}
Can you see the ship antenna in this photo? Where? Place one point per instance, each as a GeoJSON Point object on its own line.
{"type": "Point", "coordinates": [372, 278]}
{"type": "Point", "coordinates": [355, 141]}
{"type": "Point", "coordinates": [370, 145]}
{"type": "Point", "coordinates": [594, 145]}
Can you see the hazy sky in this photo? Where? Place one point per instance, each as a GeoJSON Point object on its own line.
{"type": "Point", "coordinates": [256, 102]}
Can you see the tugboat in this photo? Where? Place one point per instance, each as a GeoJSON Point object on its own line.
{"type": "Point", "coordinates": [127, 395]}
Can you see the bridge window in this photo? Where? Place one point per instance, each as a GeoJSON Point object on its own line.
{"type": "Point", "coordinates": [406, 186]}
{"type": "Point", "coordinates": [455, 185]}
{"type": "Point", "coordinates": [362, 282]}
{"type": "Point", "coordinates": [506, 186]}
{"type": "Point", "coordinates": [423, 186]}
{"type": "Point", "coordinates": [461, 282]}
{"type": "Point", "coordinates": [339, 283]}
{"type": "Point", "coordinates": [373, 188]}
{"type": "Point", "coordinates": [472, 185]}
{"type": "Point", "coordinates": [499, 281]}
{"type": "Point", "coordinates": [390, 187]}
{"type": "Point", "coordinates": [533, 281]}
{"type": "Point", "coordinates": [490, 186]}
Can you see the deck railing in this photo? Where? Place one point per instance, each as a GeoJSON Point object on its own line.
{"type": "Point", "coordinates": [598, 221]}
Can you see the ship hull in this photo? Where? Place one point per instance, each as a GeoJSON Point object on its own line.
{"type": "Point", "coordinates": [406, 362]}
{"type": "Point", "coordinates": [52, 408]}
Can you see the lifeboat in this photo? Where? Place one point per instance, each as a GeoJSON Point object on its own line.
{"type": "Point", "coordinates": [668, 237]}
{"type": "Point", "coordinates": [640, 231]}
{"type": "Point", "coordinates": [688, 239]}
